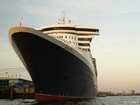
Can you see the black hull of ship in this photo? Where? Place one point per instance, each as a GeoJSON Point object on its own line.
{"type": "Point", "coordinates": [57, 74]}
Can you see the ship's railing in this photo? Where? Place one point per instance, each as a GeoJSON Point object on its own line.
{"type": "Point", "coordinates": [69, 44]}
{"type": "Point", "coordinates": [64, 41]}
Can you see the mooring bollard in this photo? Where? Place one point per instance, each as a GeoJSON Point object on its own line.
{"type": "Point", "coordinates": [29, 92]}
{"type": "Point", "coordinates": [24, 91]}
{"type": "Point", "coordinates": [12, 88]}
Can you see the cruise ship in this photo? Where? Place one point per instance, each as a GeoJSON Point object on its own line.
{"type": "Point", "coordinates": [58, 59]}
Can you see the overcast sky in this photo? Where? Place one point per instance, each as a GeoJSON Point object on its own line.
{"type": "Point", "coordinates": [117, 49]}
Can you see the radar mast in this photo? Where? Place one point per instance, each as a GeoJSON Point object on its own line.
{"type": "Point", "coordinates": [62, 19]}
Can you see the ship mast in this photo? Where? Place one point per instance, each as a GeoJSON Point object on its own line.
{"type": "Point", "coordinates": [62, 19]}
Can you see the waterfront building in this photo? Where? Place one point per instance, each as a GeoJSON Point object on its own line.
{"type": "Point", "coordinates": [5, 83]}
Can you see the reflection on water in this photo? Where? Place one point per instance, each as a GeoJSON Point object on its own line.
{"type": "Point", "coordinates": [33, 102]}
{"type": "Point", "coordinates": [109, 100]}
{"type": "Point", "coordinates": [82, 102]}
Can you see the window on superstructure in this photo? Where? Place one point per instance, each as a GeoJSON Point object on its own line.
{"type": "Point", "coordinates": [57, 28]}
{"type": "Point", "coordinates": [60, 36]}
{"type": "Point", "coordinates": [65, 36]}
{"type": "Point", "coordinates": [83, 44]}
{"type": "Point", "coordinates": [86, 50]}
{"type": "Point", "coordinates": [84, 39]}
{"type": "Point", "coordinates": [90, 30]}
{"type": "Point", "coordinates": [66, 28]}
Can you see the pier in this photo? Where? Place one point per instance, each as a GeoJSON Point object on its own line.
{"type": "Point", "coordinates": [11, 88]}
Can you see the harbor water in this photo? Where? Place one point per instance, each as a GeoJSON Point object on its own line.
{"type": "Point", "coordinates": [109, 100]}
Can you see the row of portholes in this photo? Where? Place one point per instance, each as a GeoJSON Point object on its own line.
{"type": "Point", "coordinates": [71, 37]}
{"type": "Point", "coordinates": [61, 37]}
{"type": "Point", "coordinates": [64, 37]}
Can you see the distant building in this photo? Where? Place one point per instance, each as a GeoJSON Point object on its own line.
{"type": "Point", "coordinates": [132, 92]}
{"type": "Point", "coordinates": [16, 82]}
{"type": "Point", "coordinates": [123, 93]}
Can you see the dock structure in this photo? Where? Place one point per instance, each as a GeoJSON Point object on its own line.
{"type": "Point", "coordinates": [11, 88]}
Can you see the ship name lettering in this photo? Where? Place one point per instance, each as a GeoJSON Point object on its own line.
{"type": "Point", "coordinates": [68, 48]}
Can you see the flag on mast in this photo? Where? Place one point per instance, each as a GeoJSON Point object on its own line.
{"type": "Point", "coordinates": [21, 22]}
{"type": "Point", "coordinates": [69, 21]}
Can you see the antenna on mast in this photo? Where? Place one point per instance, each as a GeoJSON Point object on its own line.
{"type": "Point", "coordinates": [62, 19]}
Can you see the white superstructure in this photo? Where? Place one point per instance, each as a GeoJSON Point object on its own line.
{"type": "Point", "coordinates": [76, 36]}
